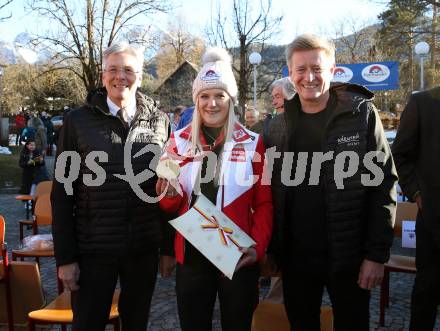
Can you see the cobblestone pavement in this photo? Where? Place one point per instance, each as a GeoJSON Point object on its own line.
{"type": "Point", "coordinates": [164, 310]}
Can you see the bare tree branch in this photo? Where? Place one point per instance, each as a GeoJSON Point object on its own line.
{"type": "Point", "coordinates": [86, 27]}
{"type": "Point", "coordinates": [251, 28]}
{"type": "Point", "coordinates": [3, 4]}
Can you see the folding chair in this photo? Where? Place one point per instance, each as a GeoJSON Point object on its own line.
{"type": "Point", "coordinates": [397, 263]}
{"type": "Point", "coordinates": [4, 276]}
{"type": "Point", "coordinates": [42, 217]}
{"type": "Point", "coordinates": [27, 295]}
{"type": "Point", "coordinates": [271, 316]}
{"type": "Point", "coordinates": [42, 188]}
{"type": "Point", "coordinates": [60, 312]}
{"type": "Point", "coordinates": [28, 301]}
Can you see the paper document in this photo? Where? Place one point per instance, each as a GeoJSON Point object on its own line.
{"type": "Point", "coordinates": [215, 235]}
{"type": "Point", "coordinates": [409, 234]}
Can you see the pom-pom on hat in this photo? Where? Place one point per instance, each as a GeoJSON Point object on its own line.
{"type": "Point", "coordinates": [216, 73]}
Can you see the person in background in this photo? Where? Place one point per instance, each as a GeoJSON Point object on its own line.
{"type": "Point", "coordinates": [280, 90]}
{"type": "Point", "coordinates": [215, 129]}
{"type": "Point", "coordinates": [416, 152]}
{"type": "Point", "coordinates": [253, 122]}
{"type": "Point", "coordinates": [20, 124]}
{"type": "Point", "coordinates": [40, 134]}
{"type": "Point", "coordinates": [106, 233]}
{"type": "Point", "coordinates": [34, 168]}
{"type": "Point", "coordinates": [50, 132]}
{"type": "Point", "coordinates": [329, 234]}
{"type": "Point", "coordinates": [177, 112]}
{"type": "Point", "coordinates": [30, 131]}
{"type": "Point", "coordinates": [185, 118]}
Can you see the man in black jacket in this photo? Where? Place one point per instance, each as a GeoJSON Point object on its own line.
{"type": "Point", "coordinates": [102, 228]}
{"type": "Point", "coordinates": [333, 227]}
{"type": "Point", "coordinates": [416, 150]}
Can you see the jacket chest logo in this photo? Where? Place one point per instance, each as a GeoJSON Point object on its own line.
{"type": "Point", "coordinates": [353, 140]}
{"type": "Point", "coordinates": [238, 154]}
{"type": "Point", "coordinates": [239, 135]}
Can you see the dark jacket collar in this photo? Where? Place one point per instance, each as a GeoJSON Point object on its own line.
{"type": "Point", "coordinates": [97, 100]}
{"type": "Point", "coordinates": [349, 97]}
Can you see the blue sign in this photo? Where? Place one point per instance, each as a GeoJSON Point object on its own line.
{"type": "Point", "coordinates": [372, 75]}
{"type": "Point", "coordinates": [285, 71]}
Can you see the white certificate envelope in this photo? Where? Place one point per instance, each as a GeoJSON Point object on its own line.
{"type": "Point", "coordinates": [409, 234]}
{"type": "Point", "coordinates": [213, 234]}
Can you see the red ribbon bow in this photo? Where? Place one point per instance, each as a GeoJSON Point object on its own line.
{"type": "Point", "coordinates": [224, 232]}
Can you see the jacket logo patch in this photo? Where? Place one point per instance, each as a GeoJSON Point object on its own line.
{"type": "Point", "coordinates": [353, 140]}
{"type": "Point", "coordinates": [238, 154]}
{"type": "Point", "coordinates": [240, 135]}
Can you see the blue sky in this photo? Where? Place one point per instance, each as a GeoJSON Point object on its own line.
{"type": "Point", "coordinates": [317, 16]}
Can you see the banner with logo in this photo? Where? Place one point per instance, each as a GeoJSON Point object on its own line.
{"type": "Point", "coordinates": [372, 75]}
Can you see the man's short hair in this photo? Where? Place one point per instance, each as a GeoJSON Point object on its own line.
{"type": "Point", "coordinates": [307, 42]}
{"type": "Point", "coordinates": [124, 47]}
{"type": "Point", "coordinates": [286, 87]}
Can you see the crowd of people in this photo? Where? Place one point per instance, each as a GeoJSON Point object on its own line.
{"type": "Point", "coordinates": [32, 126]}
{"type": "Point", "coordinates": [331, 229]}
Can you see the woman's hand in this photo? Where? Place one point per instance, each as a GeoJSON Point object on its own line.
{"type": "Point", "coordinates": [249, 257]}
{"type": "Point", "coordinates": [166, 187]}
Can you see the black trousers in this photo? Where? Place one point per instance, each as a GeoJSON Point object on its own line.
{"type": "Point", "coordinates": [303, 292]}
{"type": "Point", "coordinates": [426, 291]}
{"type": "Point", "coordinates": [197, 290]}
{"type": "Point", "coordinates": [98, 277]}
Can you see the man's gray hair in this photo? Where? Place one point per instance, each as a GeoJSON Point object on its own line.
{"type": "Point", "coordinates": [253, 111]}
{"type": "Point", "coordinates": [124, 47]}
{"type": "Point", "coordinates": [307, 42]}
{"type": "Point", "coordinates": [286, 87]}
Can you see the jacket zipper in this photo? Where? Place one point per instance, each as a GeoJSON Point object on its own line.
{"type": "Point", "coordinates": [323, 147]}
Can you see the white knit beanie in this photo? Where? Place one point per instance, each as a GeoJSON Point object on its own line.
{"type": "Point", "coordinates": [216, 73]}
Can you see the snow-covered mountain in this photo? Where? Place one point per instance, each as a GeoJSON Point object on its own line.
{"type": "Point", "coordinates": [23, 50]}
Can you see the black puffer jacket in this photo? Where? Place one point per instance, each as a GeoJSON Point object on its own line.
{"type": "Point", "coordinates": [359, 218]}
{"type": "Point", "coordinates": [108, 218]}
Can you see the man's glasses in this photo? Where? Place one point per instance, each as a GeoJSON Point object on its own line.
{"type": "Point", "coordinates": [127, 72]}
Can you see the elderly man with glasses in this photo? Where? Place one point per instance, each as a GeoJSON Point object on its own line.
{"type": "Point", "coordinates": [103, 231]}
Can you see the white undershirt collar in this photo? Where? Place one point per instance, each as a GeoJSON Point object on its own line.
{"type": "Point", "coordinates": [131, 108]}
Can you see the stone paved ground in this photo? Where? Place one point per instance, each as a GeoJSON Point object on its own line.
{"type": "Point", "coordinates": [164, 309]}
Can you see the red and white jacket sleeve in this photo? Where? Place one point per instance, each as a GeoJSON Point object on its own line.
{"type": "Point", "coordinates": [262, 218]}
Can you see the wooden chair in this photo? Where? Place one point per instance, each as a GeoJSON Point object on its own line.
{"type": "Point", "coordinates": [4, 276]}
{"type": "Point", "coordinates": [60, 312]}
{"type": "Point", "coordinates": [42, 217]}
{"type": "Point", "coordinates": [27, 294]}
{"type": "Point", "coordinates": [271, 316]}
{"type": "Point", "coordinates": [397, 263]}
{"type": "Point", "coordinates": [42, 188]}
{"type": "Point", "coordinates": [28, 301]}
